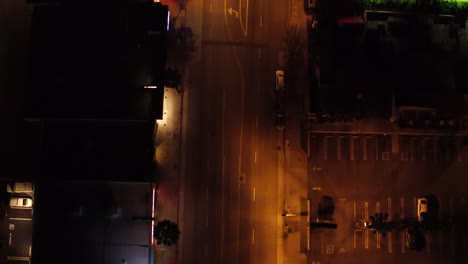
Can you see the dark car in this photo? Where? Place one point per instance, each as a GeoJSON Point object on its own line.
{"type": "Point", "coordinates": [326, 208]}
{"type": "Point", "coordinates": [279, 120]}
{"type": "Point", "coordinates": [415, 240]}
{"type": "Point", "coordinates": [310, 6]}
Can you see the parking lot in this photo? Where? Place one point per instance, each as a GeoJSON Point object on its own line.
{"type": "Point", "coordinates": [368, 147]}
{"type": "Point", "coordinates": [370, 173]}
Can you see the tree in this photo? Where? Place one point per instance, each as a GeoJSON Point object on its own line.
{"type": "Point", "coordinates": [380, 223]}
{"type": "Point", "coordinates": [173, 78]}
{"type": "Point", "coordinates": [166, 232]}
{"type": "Point", "coordinates": [180, 43]}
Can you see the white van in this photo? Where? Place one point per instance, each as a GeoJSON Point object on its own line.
{"type": "Point", "coordinates": [20, 187]}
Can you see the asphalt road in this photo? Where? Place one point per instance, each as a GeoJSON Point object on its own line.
{"type": "Point", "coordinates": [354, 170]}
{"type": "Point", "coordinates": [231, 192]}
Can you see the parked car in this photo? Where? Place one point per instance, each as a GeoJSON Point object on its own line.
{"type": "Point", "coordinates": [21, 202]}
{"type": "Point", "coordinates": [279, 120]}
{"type": "Point", "coordinates": [422, 208]}
{"type": "Point", "coordinates": [279, 80]}
{"type": "Point", "coordinates": [414, 239]}
{"type": "Point", "coordinates": [361, 224]}
{"type": "Point", "coordinates": [326, 208]}
{"type": "Point", "coordinates": [20, 187]}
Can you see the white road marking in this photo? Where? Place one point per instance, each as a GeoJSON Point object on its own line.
{"type": "Point", "coordinates": [253, 196]}
{"type": "Point", "coordinates": [261, 21]}
{"type": "Point", "coordinates": [211, 7]}
{"type": "Point", "coordinates": [20, 219]}
{"type": "Point", "coordinates": [9, 240]}
{"type": "Point", "coordinates": [255, 157]}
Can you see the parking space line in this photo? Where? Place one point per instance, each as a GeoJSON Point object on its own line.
{"type": "Point", "coordinates": [402, 240]}
{"type": "Point", "coordinates": [354, 233]}
{"type": "Point", "coordinates": [366, 211]}
{"type": "Point", "coordinates": [378, 239]}
{"type": "Point", "coordinates": [253, 236]}
{"type": "Point", "coordinates": [321, 242]}
{"type": "Point", "coordinates": [402, 208]}
{"type": "Point", "coordinates": [428, 243]}
{"type": "Point", "coordinates": [354, 215]}
{"type": "Point", "coordinates": [364, 149]}
{"type": "Point", "coordinates": [9, 239]}
{"type": "Point", "coordinates": [325, 147]}
{"type": "Point", "coordinates": [451, 206]}
{"type": "Point", "coordinates": [338, 148]}
{"type": "Point", "coordinates": [389, 205]}
{"type": "Point", "coordinates": [390, 246]}
{"type": "Point", "coordinates": [20, 219]}
{"type": "Point", "coordinates": [18, 258]}
{"type": "Point", "coordinates": [366, 239]}
{"type": "Point", "coordinates": [412, 148]}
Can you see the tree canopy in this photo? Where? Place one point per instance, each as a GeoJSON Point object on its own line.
{"type": "Point", "coordinates": [166, 232]}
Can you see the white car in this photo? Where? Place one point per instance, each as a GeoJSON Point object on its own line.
{"type": "Point", "coordinates": [422, 208]}
{"type": "Point", "coordinates": [279, 80]}
{"type": "Point", "coordinates": [20, 187]}
{"type": "Point", "coordinates": [21, 202]}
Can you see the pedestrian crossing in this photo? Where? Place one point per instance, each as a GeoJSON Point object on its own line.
{"type": "Point", "coordinates": [386, 147]}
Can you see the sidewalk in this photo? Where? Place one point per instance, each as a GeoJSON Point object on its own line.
{"type": "Point", "coordinates": [295, 160]}
{"type": "Point", "coordinates": [169, 138]}
{"type": "Point", "coordinates": [167, 141]}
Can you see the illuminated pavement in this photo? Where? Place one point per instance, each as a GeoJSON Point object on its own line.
{"type": "Point", "coordinates": [233, 157]}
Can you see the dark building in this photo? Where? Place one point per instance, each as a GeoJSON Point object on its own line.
{"type": "Point", "coordinates": [94, 89]}
{"type": "Point", "coordinates": [402, 65]}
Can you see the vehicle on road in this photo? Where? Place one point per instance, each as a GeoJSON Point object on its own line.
{"type": "Point", "coordinates": [279, 120]}
{"type": "Point", "coordinates": [422, 208]}
{"type": "Point", "coordinates": [21, 202]}
{"type": "Point", "coordinates": [279, 80]}
{"type": "Point", "coordinates": [20, 187]}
